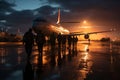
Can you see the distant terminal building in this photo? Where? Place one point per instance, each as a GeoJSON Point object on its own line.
{"type": "Point", "coordinates": [7, 37]}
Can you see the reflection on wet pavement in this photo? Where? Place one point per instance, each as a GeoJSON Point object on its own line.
{"type": "Point", "coordinates": [95, 61]}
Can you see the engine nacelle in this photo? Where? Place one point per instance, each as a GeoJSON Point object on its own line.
{"type": "Point", "coordinates": [86, 36]}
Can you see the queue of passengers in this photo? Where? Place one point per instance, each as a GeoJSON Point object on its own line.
{"type": "Point", "coordinates": [29, 39]}
{"type": "Point", "coordinates": [62, 40]}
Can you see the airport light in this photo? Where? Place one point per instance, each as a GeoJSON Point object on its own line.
{"type": "Point", "coordinates": [84, 21]}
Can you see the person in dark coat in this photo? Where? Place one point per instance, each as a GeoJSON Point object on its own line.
{"type": "Point", "coordinates": [28, 41]}
{"type": "Point", "coordinates": [69, 41]}
{"type": "Point", "coordinates": [53, 45]}
{"type": "Point", "coordinates": [40, 41]}
{"type": "Point", "coordinates": [52, 39]}
{"type": "Point", "coordinates": [59, 39]}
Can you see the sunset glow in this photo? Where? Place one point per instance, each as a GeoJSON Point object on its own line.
{"type": "Point", "coordinates": [84, 21]}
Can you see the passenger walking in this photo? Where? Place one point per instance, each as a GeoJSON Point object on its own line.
{"type": "Point", "coordinates": [69, 41]}
{"type": "Point", "coordinates": [59, 40]}
{"type": "Point", "coordinates": [64, 46]}
{"type": "Point", "coordinates": [28, 41]}
{"type": "Point", "coordinates": [64, 41]}
{"type": "Point", "coordinates": [75, 41]}
{"type": "Point", "coordinates": [40, 41]}
{"type": "Point", "coordinates": [52, 44]}
{"type": "Point", "coordinates": [52, 40]}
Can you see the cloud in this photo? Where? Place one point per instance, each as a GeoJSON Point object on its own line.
{"type": "Point", "coordinates": [101, 11]}
{"type": "Point", "coordinates": [24, 19]}
{"type": "Point", "coordinates": [21, 19]}
{"type": "Point", "coordinates": [2, 16]}
{"type": "Point", "coordinates": [47, 12]}
{"type": "Point", "coordinates": [5, 10]}
{"type": "Point", "coordinates": [6, 7]}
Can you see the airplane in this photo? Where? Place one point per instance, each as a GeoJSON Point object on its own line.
{"type": "Point", "coordinates": [47, 28]}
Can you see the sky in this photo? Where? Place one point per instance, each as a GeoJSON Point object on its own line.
{"type": "Point", "coordinates": [99, 14]}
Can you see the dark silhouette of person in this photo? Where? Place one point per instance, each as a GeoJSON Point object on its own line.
{"type": "Point", "coordinates": [59, 40]}
{"type": "Point", "coordinates": [69, 55]}
{"type": "Point", "coordinates": [64, 40]}
{"type": "Point", "coordinates": [28, 41]}
{"type": "Point", "coordinates": [75, 41]}
{"type": "Point", "coordinates": [52, 44]}
{"type": "Point", "coordinates": [52, 39]}
{"type": "Point", "coordinates": [64, 46]}
{"type": "Point", "coordinates": [69, 41]}
{"type": "Point", "coordinates": [28, 72]}
{"type": "Point", "coordinates": [73, 45]}
{"type": "Point", "coordinates": [40, 41]}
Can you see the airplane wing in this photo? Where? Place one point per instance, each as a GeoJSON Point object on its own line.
{"type": "Point", "coordinates": [101, 31]}
{"type": "Point", "coordinates": [81, 33]}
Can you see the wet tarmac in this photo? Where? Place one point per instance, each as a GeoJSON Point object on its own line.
{"type": "Point", "coordinates": [95, 61]}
